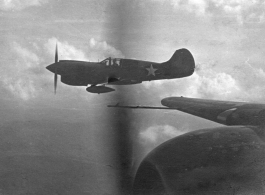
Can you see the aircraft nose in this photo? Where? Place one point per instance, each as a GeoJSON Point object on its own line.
{"type": "Point", "coordinates": [51, 67]}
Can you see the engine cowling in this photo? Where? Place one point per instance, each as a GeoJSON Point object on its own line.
{"type": "Point", "coordinates": [243, 117]}
{"type": "Point", "coordinates": [207, 161]}
{"type": "Point", "coordinates": [73, 79]}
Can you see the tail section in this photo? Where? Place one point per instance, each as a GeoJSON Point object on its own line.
{"type": "Point", "coordinates": [182, 62]}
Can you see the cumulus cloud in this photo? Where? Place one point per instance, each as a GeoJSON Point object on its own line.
{"type": "Point", "coordinates": [251, 81]}
{"type": "Point", "coordinates": [17, 78]}
{"type": "Point", "coordinates": [22, 87]}
{"type": "Point", "coordinates": [206, 82]}
{"type": "Point", "coordinates": [101, 49]}
{"type": "Point", "coordinates": [96, 50]}
{"type": "Point", "coordinates": [155, 135]}
{"type": "Point", "coordinates": [29, 58]}
{"type": "Point", "coordinates": [65, 50]}
{"type": "Point", "coordinates": [197, 6]}
{"type": "Point", "coordinates": [244, 82]}
{"type": "Point", "coordinates": [19, 4]}
{"type": "Point", "coordinates": [194, 6]}
{"type": "Point", "coordinates": [209, 83]}
{"type": "Point", "coordinates": [242, 10]}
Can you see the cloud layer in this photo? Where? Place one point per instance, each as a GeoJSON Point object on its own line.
{"type": "Point", "coordinates": [17, 76]}
{"type": "Point", "coordinates": [243, 11]}
{"type": "Point", "coordinates": [240, 83]}
{"type": "Point", "coordinates": [7, 5]}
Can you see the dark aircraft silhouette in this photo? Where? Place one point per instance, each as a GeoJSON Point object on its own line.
{"type": "Point", "coordinates": [118, 71]}
{"type": "Point", "coordinates": [221, 160]}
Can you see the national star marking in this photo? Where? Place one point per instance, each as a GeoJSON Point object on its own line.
{"type": "Point", "coordinates": [151, 70]}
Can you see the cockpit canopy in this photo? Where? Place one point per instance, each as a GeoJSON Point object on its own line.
{"type": "Point", "coordinates": [111, 61]}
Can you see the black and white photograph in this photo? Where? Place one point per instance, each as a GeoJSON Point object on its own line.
{"type": "Point", "coordinates": [132, 97]}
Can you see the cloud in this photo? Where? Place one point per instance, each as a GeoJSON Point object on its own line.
{"type": "Point", "coordinates": [155, 135]}
{"type": "Point", "coordinates": [29, 58]}
{"type": "Point", "coordinates": [65, 50]}
{"type": "Point", "coordinates": [7, 5]}
{"type": "Point", "coordinates": [241, 83]}
{"type": "Point", "coordinates": [96, 50]}
{"type": "Point", "coordinates": [251, 81]}
{"type": "Point", "coordinates": [204, 83]}
{"type": "Point", "coordinates": [101, 49]}
{"type": "Point", "coordinates": [197, 6]}
{"type": "Point", "coordinates": [17, 77]}
{"type": "Point", "coordinates": [194, 6]}
{"type": "Point", "coordinates": [243, 11]}
{"type": "Point", "coordinates": [21, 87]}
{"type": "Point", "coordinates": [209, 83]}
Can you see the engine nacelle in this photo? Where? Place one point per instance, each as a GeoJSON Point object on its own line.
{"type": "Point", "coordinates": [239, 116]}
{"type": "Point", "coordinates": [205, 161]}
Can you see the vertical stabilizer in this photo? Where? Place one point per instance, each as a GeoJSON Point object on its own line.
{"type": "Point", "coordinates": [182, 61]}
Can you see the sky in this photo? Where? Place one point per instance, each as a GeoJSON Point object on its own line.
{"type": "Point", "coordinates": [226, 38]}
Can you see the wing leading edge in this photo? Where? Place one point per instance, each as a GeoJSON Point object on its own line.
{"type": "Point", "coordinates": [139, 107]}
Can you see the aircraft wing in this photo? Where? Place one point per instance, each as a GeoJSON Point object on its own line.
{"type": "Point", "coordinates": [223, 112]}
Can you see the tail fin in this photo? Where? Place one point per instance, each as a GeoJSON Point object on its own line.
{"type": "Point", "coordinates": [183, 61]}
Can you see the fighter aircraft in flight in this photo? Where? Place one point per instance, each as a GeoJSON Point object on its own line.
{"type": "Point", "coordinates": [224, 112]}
{"type": "Point", "coordinates": [119, 71]}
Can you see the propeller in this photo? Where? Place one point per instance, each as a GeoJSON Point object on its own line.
{"type": "Point", "coordinates": [55, 82]}
{"type": "Point", "coordinates": [55, 74]}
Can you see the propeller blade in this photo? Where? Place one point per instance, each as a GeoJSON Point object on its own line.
{"type": "Point", "coordinates": [56, 54]}
{"type": "Point", "coordinates": [55, 74]}
{"type": "Point", "coordinates": [55, 82]}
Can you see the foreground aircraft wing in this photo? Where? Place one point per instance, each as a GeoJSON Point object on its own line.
{"type": "Point", "coordinates": [223, 112]}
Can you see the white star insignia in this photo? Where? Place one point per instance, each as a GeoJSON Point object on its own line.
{"type": "Point", "coordinates": [151, 70]}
